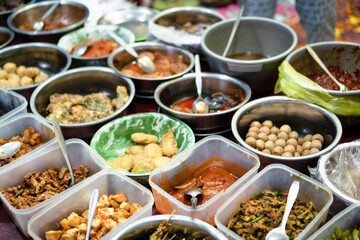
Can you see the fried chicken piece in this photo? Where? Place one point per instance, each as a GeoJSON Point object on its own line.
{"type": "Point", "coordinates": [123, 163]}
{"type": "Point", "coordinates": [168, 144]}
{"type": "Point", "coordinates": [134, 150]}
{"type": "Point", "coordinates": [143, 167]}
{"type": "Point", "coordinates": [143, 138]}
{"type": "Point", "coordinates": [159, 161]}
{"type": "Point", "coordinates": [153, 150]}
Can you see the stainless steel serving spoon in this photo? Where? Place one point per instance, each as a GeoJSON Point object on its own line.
{"type": "Point", "coordinates": [92, 207]}
{"type": "Point", "coordinates": [342, 87]}
{"type": "Point", "coordinates": [9, 149]}
{"type": "Point", "coordinates": [194, 193]}
{"type": "Point", "coordinates": [39, 25]}
{"type": "Point", "coordinates": [279, 233]}
{"type": "Point", "coordinates": [233, 31]}
{"type": "Point", "coordinates": [200, 105]}
{"type": "Point", "coordinates": [143, 61]}
{"type": "Point", "coordinates": [61, 141]}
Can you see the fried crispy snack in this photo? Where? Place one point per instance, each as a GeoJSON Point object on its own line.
{"type": "Point", "coordinates": [168, 144]}
{"type": "Point", "coordinates": [143, 138]}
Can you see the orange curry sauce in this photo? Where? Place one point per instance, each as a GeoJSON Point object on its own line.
{"type": "Point", "coordinates": [211, 181]}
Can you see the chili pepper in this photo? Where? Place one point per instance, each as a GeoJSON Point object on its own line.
{"type": "Point", "coordinates": [257, 219]}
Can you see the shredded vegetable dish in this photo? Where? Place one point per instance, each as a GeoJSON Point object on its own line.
{"type": "Point", "coordinates": [259, 215]}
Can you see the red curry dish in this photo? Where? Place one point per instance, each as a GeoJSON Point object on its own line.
{"type": "Point", "coordinates": [48, 26]}
{"type": "Point", "coordinates": [211, 181]}
{"type": "Point", "coordinates": [350, 80]}
{"type": "Point", "coordinates": [101, 48]}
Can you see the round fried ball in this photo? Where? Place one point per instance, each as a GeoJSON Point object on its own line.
{"type": "Point", "coordinates": [287, 154]}
{"type": "Point", "coordinates": [305, 152]}
{"type": "Point", "coordinates": [32, 72]}
{"type": "Point", "coordinates": [318, 137]}
{"type": "Point", "coordinates": [265, 130]}
{"type": "Point", "coordinates": [269, 145]}
{"type": "Point", "coordinates": [293, 134]}
{"type": "Point", "coordinates": [274, 130]}
{"type": "Point", "coordinates": [4, 83]}
{"type": "Point", "coordinates": [256, 124]}
{"type": "Point", "coordinates": [20, 71]}
{"type": "Point", "coordinates": [260, 144]}
{"type": "Point", "coordinates": [308, 137]}
{"type": "Point", "coordinates": [300, 140]}
{"type": "Point", "coordinates": [306, 145]}
{"type": "Point", "coordinates": [3, 74]}
{"type": "Point", "coordinates": [266, 151]}
{"type": "Point", "coordinates": [296, 154]}
{"type": "Point", "coordinates": [292, 141]}
{"type": "Point", "coordinates": [285, 128]}
{"type": "Point", "coordinates": [263, 136]}
{"type": "Point", "coordinates": [272, 137]}
{"type": "Point", "coordinates": [252, 134]}
{"type": "Point", "coordinates": [41, 77]}
{"type": "Point", "coordinates": [280, 142]}
{"type": "Point", "coordinates": [290, 149]}
{"type": "Point", "coordinates": [254, 129]}
{"type": "Point", "coordinates": [251, 141]}
{"type": "Point", "coordinates": [299, 149]}
{"type": "Point", "coordinates": [277, 151]}
{"type": "Point", "coordinates": [26, 81]}
{"type": "Point", "coordinates": [316, 144]}
{"type": "Point", "coordinates": [314, 150]}
{"type": "Point", "coordinates": [10, 67]}
{"type": "Point", "coordinates": [267, 123]}
{"type": "Point", "coordinates": [14, 82]}
{"type": "Point", "coordinates": [283, 135]}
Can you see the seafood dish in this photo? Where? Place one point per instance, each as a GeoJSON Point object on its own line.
{"type": "Point", "coordinates": [75, 108]}
{"type": "Point", "coordinates": [30, 139]}
{"type": "Point", "coordinates": [210, 181]}
{"type": "Point", "coordinates": [110, 212]}
{"type": "Point", "coordinates": [12, 75]}
{"type": "Point", "coordinates": [37, 187]}
{"type": "Point", "coordinates": [101, 48]}
{"type": "Point", "coordinates": [256, 217]}
{"type": "Point", "coordinates": [350, 80]}
{"type": "Point", "coordinates": [147, 154]}
{"type": "Point", "coordinates": [218, 101]}
{"type": "Point", "coordinates": [165, 65]}
{"type": "Point", "coordinates": [282, 141]}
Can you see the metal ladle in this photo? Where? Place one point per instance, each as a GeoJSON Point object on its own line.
{"type": "Point", "coordinates": [233, 31]}
{"type": "Point", "coordinates": [39, 25]}
{"type": "Point", "coordinates": [194, 193]}
{"type": "Point", "coordinates": [60, 139]}
{"type": "Point", "coordinates": [279, 233]}
{"type": "Point", "coordinates": [342, 87]}
{"type": "Point", "coordinates": [92, 207]}
{"type": "Point", "coordinates": [9, 149]}
{"type": "Point", "coordinates": [143, 61]}
{"type": "Point", "coordinates": [200, 105]}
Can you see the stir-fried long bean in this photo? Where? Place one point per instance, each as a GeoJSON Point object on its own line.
{"type": "Point", "coordinates": [338, 234]}
{"type": "Point", "coordinates": [259, 215]}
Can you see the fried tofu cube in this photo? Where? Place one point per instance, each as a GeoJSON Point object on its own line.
{"type": "Point", "coordinates": [104, 213]}
{"type": "Point", "coordinates": [81, 236]}
{"type": "Point", "coordinates": [70, 234]}
{"type": "Point", "coordinates": [103, 201]}
{"type": "Point", "coordinates": [118, 197]}
{"type": "Point", "coordinates": [53, 235]}
{"type": "Point", "coordinates": [123, 212]}
{"type": "Point", "coordinates": [101, 233]}
{"type": "Point", "coordinates": [134, 208]}
{"type": "Point", "coordinates": [75, 221]}
{"type": "Point", "coordinates": [65, 224]}
{"type": "Point", "coordinates": [82, 228]}
{"type": "Point", "coordinates": [114, 203]}
{"type": "Point", "coordinates": [85, 214]}
{"type": "Point", "coordinates": [118, 217]}
{"type": "Point", "coordinates": [109, 224]}
{"type": "Point", "coordinates": [126, 206]}
{"type": "Point", "coordinates": [96, 224]}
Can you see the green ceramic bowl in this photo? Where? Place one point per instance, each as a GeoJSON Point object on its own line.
{"type": "Point", "coordinates": [90, 33]}
{"type": "Point", "coordinates": [112, 139]}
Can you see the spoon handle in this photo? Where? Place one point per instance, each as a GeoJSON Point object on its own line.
{"type": "Point", "coordinates": [233, 31]}
{"type": "Point", "coordinates": [124, 44]}
{"type": "Point", "coordinates": [92, 208]}
{"type": "Point", "coordinates": [321, 64]}
{"type": "Point", "coordinates": [198, 80]}
{"type": "Point", "coordinates": [50, 10]}
{"type": "Point", "coordinates": [61, 141]}
{"type": "Point", "coordinates": [293, 192]}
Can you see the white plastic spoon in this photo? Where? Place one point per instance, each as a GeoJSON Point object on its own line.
{"type": "Point", "coordinates": [9, 149]}
{"type": "Point", "coordinates": [92, 208]}
{"type": "Point", "coordinates": [200, 105]}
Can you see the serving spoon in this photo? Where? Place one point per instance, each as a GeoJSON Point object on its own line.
{"type": "Point", "coordinates": [92, 207]}
{"type": "Point", "coordinates": [342, 87]}
{"type": "Point", "coordinates": [279, 233]}
{"type": "Point", "coordinates": [39, 25]}
{"type": "Point", "coordinates": [200, 105]}
{"type": "Point", "coordinates": [60, 139]}
{"type": "Point", "coordinates": [143, 61]}
{"type": "Point", "coordinates": [233, 31]}
{"type": "Point", "coordinates": [194, 193]}
{"type": "Point", "coordinates": [9, 149]}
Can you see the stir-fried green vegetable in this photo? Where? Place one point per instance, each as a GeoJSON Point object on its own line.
{"type": "Point", "coordinates": [259, 215]}
{"type": "Point", "coordinates": [347, 235]}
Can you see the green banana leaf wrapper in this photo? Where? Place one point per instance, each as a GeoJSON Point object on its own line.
{"type": "Point", "coordinates": [295, 85]}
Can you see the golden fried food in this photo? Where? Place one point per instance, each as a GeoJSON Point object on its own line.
{"type": "Point", "coordinates": [153, 150]}
{"type": "Point", "coordinates": [134, 150]}
{"type": "Point", "coordinates": [168, 144]}
{"type": "Point", "coordinates": [123, 163]}
{"type": "Point", "coordinates": [143, 138]}
{"type": "Point", "coordinates": [143, 167]}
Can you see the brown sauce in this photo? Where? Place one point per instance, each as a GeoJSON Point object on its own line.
{"type": "Point", "coordinates": [350, 80]}
{"type": "Point", "coordinates": [247, 56]}
{"type": "Point", "coordinates": [211, 181]}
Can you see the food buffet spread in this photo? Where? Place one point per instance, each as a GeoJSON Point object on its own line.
{"type": "Point", "coordinates": [163, 170]}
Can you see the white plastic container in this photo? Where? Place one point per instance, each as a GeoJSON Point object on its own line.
{"type": "Point", "coordinates": [79, 154]}
{"type": "Point", "coordinates": [349, 218]}
{"type": "Point", "coordinates": [16, 125]}
{"type": "Point", "coordinates": [277, 177]}
{"type": "Point", "coordinates": [225, 153]}
{"type": "Point", "coordinates": [11, 102]}
{"type": "Point", "coordinates": [77, 200]}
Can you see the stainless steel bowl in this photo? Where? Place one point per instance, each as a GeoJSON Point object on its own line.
{"type": "Point", "coordinates": [6, 36]}
{"type": "Point", "coordinates": [303, 117]}
{"type": "Point", "coordinates": [82, 81]}
{"type": "Point", "coordinates": [344, 55]}
{"type": "Point", "coordinates": [5, 14]}
{"type": "Point", "coordinates": [184, 227]}
{"type": "Point", "coordinates": [177, 17]}
{"type": "Point", "coordinates": [170, 92]}
{"type": "Point", "coordinates": [264, 36]}
{"type": "Point", "coordinates": [136, 19]}
{"type": "Point", "coordinates": [72, 14]}
{"type": "Point", "coordinates": [145, 87]}
{"type": "Point", "coordinates": [48, 57]}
